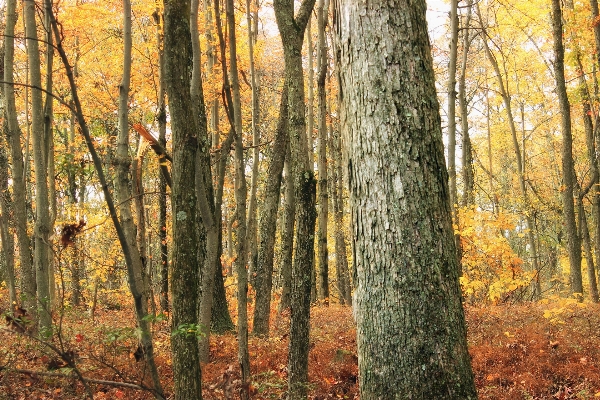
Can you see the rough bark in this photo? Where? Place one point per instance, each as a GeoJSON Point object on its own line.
{"type": "Point", "coordinates": [204, 192]}
{"type": "Point", "coordinates": [184, 270]}
{"type": "Point", "coordinates": [568, 165]}
{"type": "Point", "coordinates": [411, 330]}
{"type": "Point", "coordinates": [268, 223]}
{"type": "Point", "coordinates": [292, 30]}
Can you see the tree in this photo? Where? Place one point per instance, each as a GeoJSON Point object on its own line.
{"type": "Point", "coordinates": [292, 29]}
{"type": "Point", "coordinates": [411, 332]}
{"type": "Point", "coordinates": [268, 222]}
{"type": "Point", "coordinates": [186, 241]}
{"type": "Point", "coordinates": [322, 63]}
{"type": "Point", "coordinates": [568, 165]}
{"type": "Point", "coordinates": [13, 133]}
{"type": "Point", "coordinates": [42, 221]}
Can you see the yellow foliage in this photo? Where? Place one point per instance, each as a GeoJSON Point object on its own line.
{"type": "Point", "coordinates": [491, 269]}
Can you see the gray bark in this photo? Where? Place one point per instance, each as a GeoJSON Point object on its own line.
{"type": "Point", "coordinates": [568, 167]}
{"type": "Point", "coordinates": [268, 222]}
{"type": "Point", "coordinates": [323, 210]}
{"type": "Point", "coordinates": [186, 241]}
{"type": "Point", "coordinates": [411, 331]}
{"type": "Point", "coordinates": [467, 149]}
{"type": "Point", "coordinates": [292, 30]}
{"type": "Point", "coordinates": [240, 200]}
{"type": "Point", "coordinates": [287, 235]}
{"type": "Point", "coordinates": [6, 226]}
{"type": "Point", "coordinates": [42, 221]}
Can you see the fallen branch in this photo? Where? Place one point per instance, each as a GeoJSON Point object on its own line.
{"type": "Point", "coordinates": [68, 376]}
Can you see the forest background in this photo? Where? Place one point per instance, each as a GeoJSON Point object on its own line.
{"type": "Point", "coordinates": [525, 190]}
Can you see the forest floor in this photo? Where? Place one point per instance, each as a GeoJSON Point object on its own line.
{"type": "Point", "coordinates": [527, 351]}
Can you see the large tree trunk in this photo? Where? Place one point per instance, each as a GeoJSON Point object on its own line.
{"type": "Point", "coordinates": [42, 221]}
{"type": "Point", "coordinates": [411, 330]}
{"type": "Point", "coordinates": [268, 222]}
{"type": "Point", "coordinates": [568, 165]}
{"type": "Point", "coordinates": [184, 270]}
{"type": "Point", "coordinates": [292, 32]}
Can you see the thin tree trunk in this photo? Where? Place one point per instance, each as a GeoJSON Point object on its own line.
{"type": "Point", "coordinates": [42, 221]}
{"type": "Point", "coordinates": [6, 228]}
{"type": "Point", "coordinates": [323, 211]}
{"type": "Point", "coordinates": [268, 222]}
{"type": "Point", "coordinates": [252, 224]}
{"type": "Point", "coordinates": [568, 168]}
{"type": "Point", "coordinates": [287, 234]}
{"type": "Point", "coordinates": [240, 200]}
{"type": "Point", "coordinates": [292, 31]}
{"type": "Point", "coordinates": [186, 241]}
{"type": "Point", "coordinates": [146, 339]}
{"type": "Point", "coordinates": [123, 186]}
{"type": "Point", "coordinates": [530, 228]}
{"type": "Point", "coordinates": [162, 185]}
{"type": "Point", "coordinates": [49, 142]}
{"type": "Point", "coordinates": [468, 198]}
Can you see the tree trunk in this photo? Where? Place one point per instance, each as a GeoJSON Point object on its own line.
{"type": "Point", "coordinates": [49, 142]}
{"type": "Point", "coordinates": [184, 270]}
{"type": "Point", "coordinates": [337, 191]}
{"type": "Point", "coordinates": [323, 212]}
{"type": "Point", "coordinates": [240, 201]}
{"type": "Point", "coordinates": [287, 234]}
{"type": "Point", "coordinates": [411, 331]}
{"type": "Point", "coordinates": [146, 339]}
{"type": "Point", "coordinates": [162, 185]}
{"type": "Point", "coordinates": [568, 167]}
{"type": "Point", "coordinates": [468, 173]}
{"type": "Point", "coordinates": [252, 224]}
{"type": "Point", "coordinates": [593, 181]}
{"type": "Point", "coordinates": [42, 221]}
{"type": "Point", "coordinates": [268, 222]}
{"type": "Point", "coordinates": [292, 32]}
{"type": "Point", "coordinates": [6, 226]}
{"type": "Point", "coordinates": [123, 190]}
